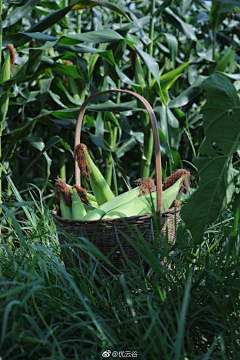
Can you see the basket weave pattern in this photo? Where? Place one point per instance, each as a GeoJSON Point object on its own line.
{"type": "Point", "coordinates": [103, 235]}
{"type": "Point", "coordinates": [106, 234]}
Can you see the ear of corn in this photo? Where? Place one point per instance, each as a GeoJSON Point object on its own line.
{"type": "Point", "coordinates": [65, 209]}
{"type": "Point", "coordinates": [140, 205]}
{"type": "Point", "coordinates": [78, 210]}
{"type": "Point", "coordinates": [112, 204]}
{"type": "Point", "coordinates": [92, 200]}
{"type": "Point", "coordinates": [169, 195]}
{"type": "Point", "coordinates": [143, 205]}
{"type": "Point", "coordinates": [99, 185]}
{"type": "Point", "coordinates": [89, 208]}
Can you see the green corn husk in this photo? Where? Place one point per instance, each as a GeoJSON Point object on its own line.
{"type": "Point", "coordinates": [89, 208]}
{"type": "Point", "coordinates": [144, 205]}
{"type": "Point", "coordinates": [122, 199]}
{"type": "Point", "coordinates": [100, 188]}
{"type": "Point", "coordinates": [63, 198]}
{"type": "Point", "coordinates": [78, 209]}
{"type": "Point", "coordinates": [65, 209]}
{"type": "Point", "coordinates": [92, 200]}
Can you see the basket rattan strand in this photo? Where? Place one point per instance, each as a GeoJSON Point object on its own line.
{"type": "Point", "coordinates": [110, 236]}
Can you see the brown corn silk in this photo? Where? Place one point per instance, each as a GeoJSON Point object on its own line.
{"type": "Point", "coordinates": [146, 185]}
{"type": "Point", "coordinates": [61, 188]}
{"type": "Point", "coordinates": [12, 53]}
{"type": "Point", "coordinates": [169, 181]}
{"type": "Point", "coordinates": [82, 193]}
{"type": "Point", "coordinates": [81, 160]}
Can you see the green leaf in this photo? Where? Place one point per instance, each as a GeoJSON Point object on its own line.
{"type": "Point", "coordinates": [163, 6]}
{"type": "Point", "coordinates": [101, 36]}
{"type": "Point", "coordinates": [19, 12]}
{"type": "Point", "coordinates": [227, 5]}
{"type": "Point", "coordinates": [124, 78]}
{"type": "Point", "coordinates": [222, 137]}
{"type": "Point", "coordinates": [126, 146]}
{"type": "Point", "coordinates": [53, 18]}
{"type": "Point", "coordinates": [175, 20]}
{"type": "Point", "coordinates": [36, 142]}
{"type": "Point", "coordinates": [45, 87]}
{"type": "Point", "coordinates": [86, 4]}
{"type": "Point", "coordinates": [189, 94]}
{"type": "Point", "coordinates": [68, 70]}
{"type": "Point", "coordinates": [164, 144]}
{"type": "Point", "coordinates": [43, 149]}
{"type": "Point", "coordinates": [169, 125]}
{"type": "Point", "coordinates": [151, 64]}
{"type": "Point", "coordinates": [173, 46]}
{"type": "Point", "coordinates": [224, 61]}
{"type": "Point", "coordinates": [168, 79]}
{"type": "Point", "coordinates": [82, 66]}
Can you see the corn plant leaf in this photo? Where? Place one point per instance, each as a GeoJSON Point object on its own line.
{"type": "Point", "coordinates": [51, 19]}
{"type": "Point", "coordinates": [19, 12]}
{"type": "Point", "coordinates": [38, 143]}
{"type": "Point", "coordinates": [217, 175]}
{"type": "Point", "coordinates": [226, 5]}
{"type": "Point", "coordinates": [164, 144]}
{"type": "Point", "coordinates": [224, 61]}
{"type": "Point", "coordinates": [169, 126]}
{"type": "Point", "coordinates": [100, 36]}
{"type": "Point", "coordinates": [164, 5]}
{"type": "Point", "coordinates": [189, 94]}
{"type": "Point", "coordinates": [172, 45]}
{"type": "Point", "coordinates": [151, 64]}
{"type": "Point", "coordinates": [86, 4]}
{"type": "Point", "coordinates": [175, 20]}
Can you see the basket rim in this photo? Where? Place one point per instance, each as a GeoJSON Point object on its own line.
{"type": "Point", "coordinates": [171, 211]}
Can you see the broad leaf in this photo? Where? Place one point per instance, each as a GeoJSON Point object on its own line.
{"type": "Point", "coordinates": [222, 137]}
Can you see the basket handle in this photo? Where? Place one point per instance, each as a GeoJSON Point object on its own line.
{"type": "Point", "coordinates": [156, 142]}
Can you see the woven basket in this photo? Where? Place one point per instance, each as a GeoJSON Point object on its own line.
{"type": "Point", "coordinates": [110, 236]}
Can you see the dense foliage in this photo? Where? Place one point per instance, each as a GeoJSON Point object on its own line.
{"type": "Point", "coordinates": [183, 57]}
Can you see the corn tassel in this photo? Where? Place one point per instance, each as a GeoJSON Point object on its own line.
{"type": "Point", "coordinates": [78, 210]}
{"type": "Point", "coordinates": [122, 199]}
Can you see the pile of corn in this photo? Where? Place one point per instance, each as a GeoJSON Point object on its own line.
{"type": "Point", "coordinates": [77, 204]}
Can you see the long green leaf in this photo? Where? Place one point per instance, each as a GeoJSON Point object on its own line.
{"type": "Point", "coordinates": [19, 12]}
{"type": "Point", "coordinates": [151, 64]}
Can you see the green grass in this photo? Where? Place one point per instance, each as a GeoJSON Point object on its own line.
{"type": "Point", "coordinates": [190, 311]}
